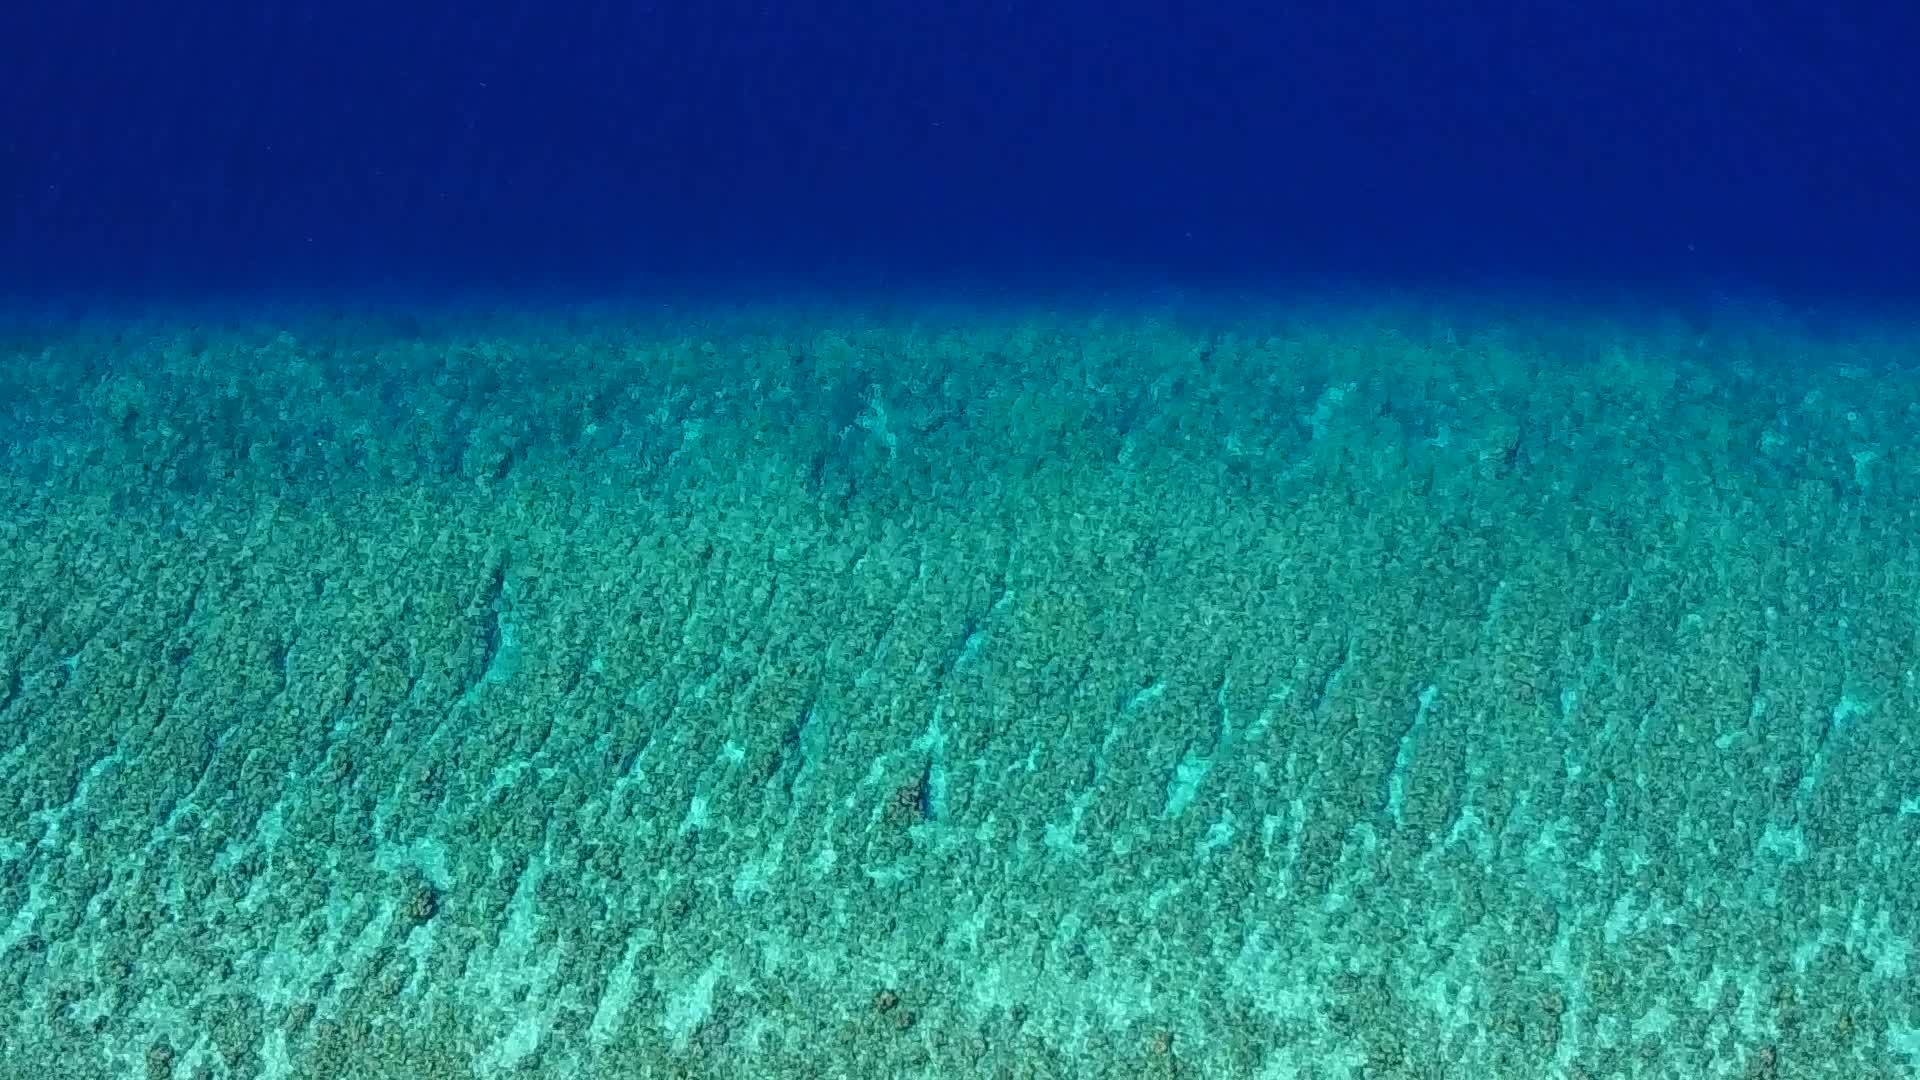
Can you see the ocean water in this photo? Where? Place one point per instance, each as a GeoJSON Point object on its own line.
{"type": "Point", "coordinates": [1326, 542]}
{"type": "Point", "coordinates": [1404, 688]}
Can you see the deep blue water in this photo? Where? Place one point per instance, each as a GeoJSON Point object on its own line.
{"type": "Point", "coordinates": [521, 144]}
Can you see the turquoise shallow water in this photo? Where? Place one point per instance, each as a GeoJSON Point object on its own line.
{"type": "Point", "coordinates": [1397, 691]}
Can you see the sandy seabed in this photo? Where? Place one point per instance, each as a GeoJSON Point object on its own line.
{"type": "Point", "coordinates": [1357, 692]}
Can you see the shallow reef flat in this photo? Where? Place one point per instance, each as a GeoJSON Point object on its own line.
{"type": "Point", "coordinates": [1338, 691]}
